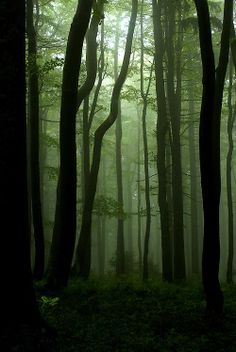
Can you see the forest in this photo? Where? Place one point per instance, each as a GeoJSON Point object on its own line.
{"type": "Point", "coordinates": [118, 175]}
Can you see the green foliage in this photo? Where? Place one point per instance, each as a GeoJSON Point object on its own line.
{"type": "Point", "coordinates": [50, 141]}
{"type": "Point", "coordinates": [108, 206]}
{"type": "Point", "coordinates": [50, 65]}
{"type": "Point", "coordinates": [52, 172]}
{"type": "Point", "coordinates": [125, 314]}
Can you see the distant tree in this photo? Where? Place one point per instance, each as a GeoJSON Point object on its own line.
{"type": "Point", "coordinates": [33, 103]}
{"type": "Point", "coordinates": [120, 245]}
{"type": "Point", "coordinates": [174, 39]}
{"type": "Point", "coordinates": [193, 185]}
{"type": "Point", "coordinates": [63, 241]}
{"type": "Point", "coordinates": [209, 139]}
{"type": "Point", "coordinates": [18, 302]}
{"type": "Point", "coordinates": [144, 95]}
{"type": "Point", "coordinates": [161, 133]}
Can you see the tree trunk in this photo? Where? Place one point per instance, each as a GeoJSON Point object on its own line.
{"type": "Point", "coordinates": [161, 135]}
{"type": "Point", "coordinates": [139, 201]}
{"type": "Point", "coordinates": [230, 124]}
{"type": "Point", "coordinates": [129, 220]}
{"type": "Point", "coordinates": [34, 145]}
{"type": "Point", "coordinates": [83, 95]}
{"type": "Point", "coordinates": [193, 186]}
{"type": "Point", "coordinates": [209, 142]}
{"type": "Point", "coordinates": [174, 104]}
{"type": "Point", "coordinates": [144, 96]}
{"type": "Point", "coordinates": [18, 302]}
{"type": "Point", "coordinates": [86, 144]}
{"type": "Point", "coordinates": [120, 245]}
{"type": "Point", "coordinates": [65, 217]}
{"type": "Point", "coordinates": [84, 246]}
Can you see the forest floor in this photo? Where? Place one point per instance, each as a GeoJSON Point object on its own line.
{"type": "Point", "coordinates": [111, 315]}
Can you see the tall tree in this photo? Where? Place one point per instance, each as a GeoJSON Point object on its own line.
{"type": "Point", "coordinates": [230, 125]}
{"type": "Point", "coordinates": [86, 88]}
{"type": "Point", "coordinates": [33, 97]}
{"type": "Point", "coordinates": [161, 133]}
{"type": "Point", "coordinates": [18, 302]}
{"type": "Point", "coordinates": [209, 144]}
{"type": "Point", "coordinates": [193, 184]}
{"type": "Point", "coordinates": [63, 241]}
{"type": "Point", "coordinates": [84, 245]}
{"type": "Point", "coordinates": [173, 31]}
{"type": "Point", "coordinates": [120, 245]}
{"type": "Point", "coordinates": [139, 210]}
{"type": "Point", "coordinates": [144, 96]}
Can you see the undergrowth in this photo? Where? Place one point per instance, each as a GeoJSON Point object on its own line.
{"type": "Point", "coordinates": [119, 315]}
{"type": "Point", "coordinates": [116, 315]}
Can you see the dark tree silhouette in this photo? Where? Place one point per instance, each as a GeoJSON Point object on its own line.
{"type": "Point", "coordinates": [120, 243]}
{"type": "Point", "coordinates": [63, 241]}
{"type": "Point", "coordinates": [209, 140]}
{"type": "Point", "coordinates": [230, 125]}
{"type": "Point", "coordinates": [18, 303]}
{"type": "Point", "coordinates": [33, 103]}
{"type": "Point", "coordinates": [162, 130]}
{"type": "Point", "coordinates": [173, 31]}
{"type": "Point", "coordinates": [84, 245]}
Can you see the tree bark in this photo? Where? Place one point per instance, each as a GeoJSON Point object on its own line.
{"type": "Point", "coordinates": [174, 105]}
{"type": "Point", "coordinates": [120, 245]}
{"type": "Point", "coordinates": [230, 125]}
{"type": "Point", "coordinates": [63, 241]}
{"type": "Point", "coordinates": [18, 302]}
{"type": "Point", "coordinates": [193, 186]}
{"type": "Point", "coordinates": [139, 201]}
{"type": "Point", "coordinates": [84, 246]}
{"type": "Point", "coordinates": [144, 96]}
{"type": "Point", "coordinates": [209, 143]}
{"type": "Point", "coordinates": [161, 135]}
{"type": "Point", "coordinates": [34, 145]}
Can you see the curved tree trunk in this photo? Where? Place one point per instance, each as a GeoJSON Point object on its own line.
{"type": "Point", "coordinates": [84, 245]}
{"type": "Point", "coordinates": [63, 241]}
{"type": "Point", "coordinates": [209, 143]}
{"type": "Point", "coordinates": [84, 93]}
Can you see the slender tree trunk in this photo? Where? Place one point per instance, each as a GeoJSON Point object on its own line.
{"type": "Point", "coordinates": [174, 103]}
{"type": "Point", "coordinates": [129, 221]}
{"type": "Point", "coordinates": [86, 144]}
{"type": "Point", "coordinates": [65, 217]}
{"type": "Point", "coordinates": [120, 245]}
{"type": "Point", "coordinates": [209, 141]}
{"type": "Point", "coordinates": [161, 133]}
{"type": "Point", "coordinates": [34, 145]}
{"type": "Point", "coordinates": [231, 118]}
{"type": "Point", "coordinates": [91, 55]}
{"type": "Point", "coordinates": [144, 96]}
{"type": "Point", "coordinates": [193, 186]}
{"type": "Point", "coordinates": [139, 200]}
{"type": "Point", "coordinates": [84, 246]}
